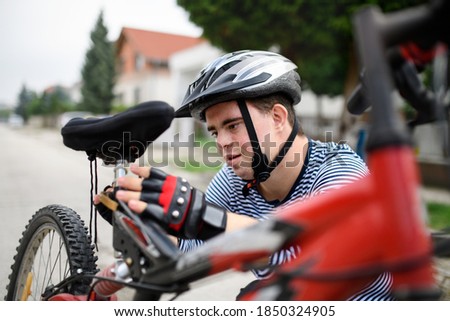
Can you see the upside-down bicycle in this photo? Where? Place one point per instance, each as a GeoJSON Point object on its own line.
{"type": "Point", "coordinates": [55, 254]}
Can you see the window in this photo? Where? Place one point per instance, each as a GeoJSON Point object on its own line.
{"type": "Point", "coordinates": [139, 62]}
{"type": "Point", "coordinates": [119, 99]}
{"type": "Point", "coordinates": [137, 95]}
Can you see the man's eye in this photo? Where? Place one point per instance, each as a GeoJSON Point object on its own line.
{"type": "Point", "coordinates": [213, 134]}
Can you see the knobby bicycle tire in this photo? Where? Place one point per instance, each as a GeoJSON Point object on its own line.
{"type": "Point", "coordinates": [54, 245]}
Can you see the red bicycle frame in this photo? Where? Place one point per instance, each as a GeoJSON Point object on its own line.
{"type": "Point", "coordinates": [353, 234]}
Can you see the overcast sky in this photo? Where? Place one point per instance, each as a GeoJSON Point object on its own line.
{"type": "Point", "coordinates": [43, 42]}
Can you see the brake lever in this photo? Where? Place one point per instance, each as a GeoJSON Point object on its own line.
{"type": "Point", "coordinates": [416, 94]}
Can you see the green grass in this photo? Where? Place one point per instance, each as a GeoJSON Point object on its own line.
{"type": "Point", "coordinates": [438, 215]}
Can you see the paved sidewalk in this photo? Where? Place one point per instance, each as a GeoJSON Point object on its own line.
{"type": "Point", "coordinates": [437, 195]}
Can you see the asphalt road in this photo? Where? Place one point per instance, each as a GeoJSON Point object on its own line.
{"type": "Point", "coordinates": [38, 170]}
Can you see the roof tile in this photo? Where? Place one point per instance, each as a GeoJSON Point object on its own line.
{"type": "Point", "coordinates": [156, 45]}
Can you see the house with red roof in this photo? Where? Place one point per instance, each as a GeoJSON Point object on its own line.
{"type": "Point", "coordinates": [142, 59]}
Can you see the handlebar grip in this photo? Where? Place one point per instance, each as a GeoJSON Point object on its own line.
{"type": "Point", "coordinates": [358, 102]}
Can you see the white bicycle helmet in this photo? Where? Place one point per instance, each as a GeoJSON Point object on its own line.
{"type": "Point", "coordinates": [241, 74]}
{"type": "Point", "coordinates": [238, 76]}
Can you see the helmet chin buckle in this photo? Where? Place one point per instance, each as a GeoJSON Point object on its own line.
{"type": "Point", "coordinates": [262, 177]}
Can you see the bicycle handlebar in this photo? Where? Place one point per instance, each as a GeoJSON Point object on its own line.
{"type": "Point", "coordinates": [408, 36]}
{"type": "Point", "coordinates": [375, 34]}
{"type": "Point", "coordinates": [408, 83]}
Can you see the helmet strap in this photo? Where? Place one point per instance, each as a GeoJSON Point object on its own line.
{"type": "Point", "coordinates": [260, 163]}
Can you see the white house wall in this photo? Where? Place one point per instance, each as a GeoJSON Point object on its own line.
{"type": "Point", "coordinates": [185, 66]}
{"type": "Point", "coordinates": [151, 87]}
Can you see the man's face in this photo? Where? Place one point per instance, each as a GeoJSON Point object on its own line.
{"type": "Point", "coordinates": [225, 123]}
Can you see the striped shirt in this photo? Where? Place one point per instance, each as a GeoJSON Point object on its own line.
{"type": "Point", "coordinates": [327, 166]}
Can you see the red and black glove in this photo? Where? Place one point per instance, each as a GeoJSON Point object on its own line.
{"type": "Point", "coordinates": [181, 209]}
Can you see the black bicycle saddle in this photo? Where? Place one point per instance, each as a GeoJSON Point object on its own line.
{"type": "Point", "coordinates": [124, 136]}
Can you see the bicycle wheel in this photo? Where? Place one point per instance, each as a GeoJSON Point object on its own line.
{"type": "Point", "coordinates": [54, 245]}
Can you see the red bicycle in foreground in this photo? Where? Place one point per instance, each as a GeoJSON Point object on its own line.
{"type": "Point", "coordinates": [347, 237]}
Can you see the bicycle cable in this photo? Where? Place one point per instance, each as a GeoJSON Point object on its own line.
{"type": "Point", "coordinates": [92, 157]}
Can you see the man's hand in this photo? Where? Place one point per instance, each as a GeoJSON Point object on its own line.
{"type": "Point", "coordinates": [171, 201]}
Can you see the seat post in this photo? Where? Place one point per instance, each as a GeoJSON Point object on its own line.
{"type": "Point", "coordinates": [120, 169]}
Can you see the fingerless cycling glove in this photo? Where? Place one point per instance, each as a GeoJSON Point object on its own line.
{"type": "Point", "coordinates": [181, 209]}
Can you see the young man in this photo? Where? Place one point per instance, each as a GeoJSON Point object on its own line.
{"type": "Point", "coordinates": [247, 99]}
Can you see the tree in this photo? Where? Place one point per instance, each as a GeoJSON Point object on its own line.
{"type": "Point", "coordinates": [315, 34]}
{"type": "Point", "coordinates": [98, 73]}
{"type": "Point", "coordinates": [24, 99]}
{"type": "Point", "coordinates": [55, 101]}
